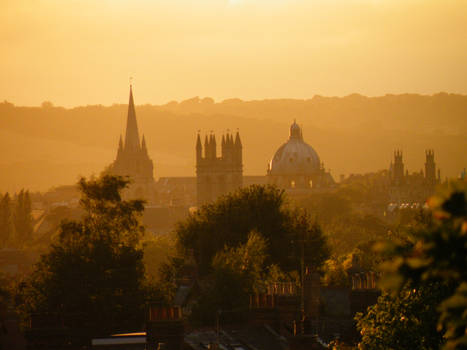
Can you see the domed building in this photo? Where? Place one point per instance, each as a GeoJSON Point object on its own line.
{"type": "Point", "coordinates": [296, 165]}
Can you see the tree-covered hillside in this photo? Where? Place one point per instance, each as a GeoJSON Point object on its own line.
{"type": "Point", "coordinates": [47, 145]}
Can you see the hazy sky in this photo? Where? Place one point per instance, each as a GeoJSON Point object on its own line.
{"type": "Point", "coordinates": [78, 52]}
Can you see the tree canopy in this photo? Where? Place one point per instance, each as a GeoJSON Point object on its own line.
{"type": "Point", "coordinates": [16, 222]}
{"type": "Point", "coordinates": [243, 241]}
{"type": "Point", "coordinates": [428, 280]}
{"type": "Point", "coordinates": [229, 221]}
{"type": "Point", "coordinates": [93, 273]}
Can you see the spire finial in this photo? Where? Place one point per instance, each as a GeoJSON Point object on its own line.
{"type": "Point", "coordinates": [131, 81]}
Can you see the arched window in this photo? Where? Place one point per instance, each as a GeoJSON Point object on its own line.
{"type": "Point", "coordinates": [310, 183]}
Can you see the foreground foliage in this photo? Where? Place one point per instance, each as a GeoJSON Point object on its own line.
{"type": "Point", "coordinates": [434, 265]}
{"type": "Point", "coordinates": [243, 241]}
{"type": "Point", "coordinates": [229, 221]}
{"type": "Point", "coordinates": [93, 274]}
{"type": "Point", "coordinates": [404, 321]}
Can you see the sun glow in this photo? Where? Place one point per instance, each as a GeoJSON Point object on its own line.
{"type": "Point", "coordinates": [235, 2]}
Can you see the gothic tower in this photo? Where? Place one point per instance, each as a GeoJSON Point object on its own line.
{"type": "Point", "coordinates": [430, 167]}
{"type": "Point", "coordinates": [397, 168]}
{"type": "Point", "coordinates": [215, 175]}
{"type": "Point", "coordinates": [133, 160]}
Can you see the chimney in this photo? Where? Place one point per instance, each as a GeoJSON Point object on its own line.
{"type": "Point", "coordinates": [311, 291]}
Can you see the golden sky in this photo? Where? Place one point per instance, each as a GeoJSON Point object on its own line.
{"type": "Point", "coordinates": [78, 52]}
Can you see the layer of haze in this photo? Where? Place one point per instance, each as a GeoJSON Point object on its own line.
{"type": "Point", "coordinates": [41, 147]}
{"type": "Point", "coordinates": [79, 52]}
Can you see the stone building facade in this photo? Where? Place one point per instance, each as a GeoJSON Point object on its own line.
{"type": "Point", "coordinates": [416, 187]}
{"type": "Point", "coordinates": [215, 175]}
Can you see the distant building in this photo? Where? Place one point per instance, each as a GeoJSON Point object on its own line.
{"type": "Point", "coordinates": [407, 189]}
{"type": "Point", "coordinates": [133, 160]}
{"type": "Point", "coordinates": [297, 166]}
{"type": "Point", "coordinates": [215, 175]}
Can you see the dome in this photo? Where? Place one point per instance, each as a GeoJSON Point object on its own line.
{"type": "Point", "coordinates": [295, 157]}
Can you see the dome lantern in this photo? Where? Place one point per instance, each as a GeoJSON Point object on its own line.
{"type": "Point", "coordinates": [295, 157]}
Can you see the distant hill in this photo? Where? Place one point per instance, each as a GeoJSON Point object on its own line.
{"type": "Point", "coordinates": [47, 146]}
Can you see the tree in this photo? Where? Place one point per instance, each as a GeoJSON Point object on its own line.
{"type": "Point", "coordinates": [157, 251]}
{"type": "Point", "coordinates": [94, 273]}
{"type": "Point", "coordinates": [434, 264]}
{"type": "Point", "coordinates": [23, 218]}
{"type": "Point", "coordinates": [237, 273]}
{"type": "Point", "coordinates": [404, 321]}
{"type": "Point", "coordinates": [7, 228]}
{"type": "Point", "coordinates": [345, 215]}
{"type": "Point", "coordinates": [246, 260]}
{"type": "Point", "coordinates": [229, 220]}
{"type": "Point", "coordinates": [244, 240]}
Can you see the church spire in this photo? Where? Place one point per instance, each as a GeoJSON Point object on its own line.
{"type": "Point", "coordinates": [143, 146]}
{"type": "Point", "coordinates": [120, 147]}
{"type": "Point", "coordinates": [120, 144]}
{"type": "Point", "coordinates": [131, 136]}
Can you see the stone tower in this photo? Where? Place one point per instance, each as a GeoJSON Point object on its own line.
{"type": "Point", "coordinates": [215, 175]}
{"type": "Point", "coordinates": [397, 168]}
{"type": "Point", "coordinates": [430, 167]}
{"type": "Point", "coordinates": [133, 160]}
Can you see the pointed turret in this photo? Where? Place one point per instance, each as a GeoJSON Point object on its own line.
{"type": "Point", "coordinates": [143, 146]}
{"type": "Point", "coordinates": [120, 147]}
{"type": "Point", "coordinates": [199, 149]}
{"type": "Point", "coordinates": [132, 135]}
{"type": "Point", "coordinates": [430, 166]}
{"type": "Point", "coordinates": [238, 149]}
{"type": "Point", "coordinates": [223, 147]}
{"type": "Point", "coordinates": [230, 147]}
{"type": "Point", "coordinates": [206, 147]}
{"type": "Point", "coordinates": [213, 146]}
{"type": "Point", "coordinates": [238, 142]}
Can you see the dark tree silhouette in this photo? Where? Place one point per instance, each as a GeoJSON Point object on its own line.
{"type": "Point", "coordinates": [428, 278]}
{"type": "Point", "coordinates": [7, 228]}
{"type": "Point", "coordinates": [92, 276]}
{"type": "Point", "coordinates": [229, 220]}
